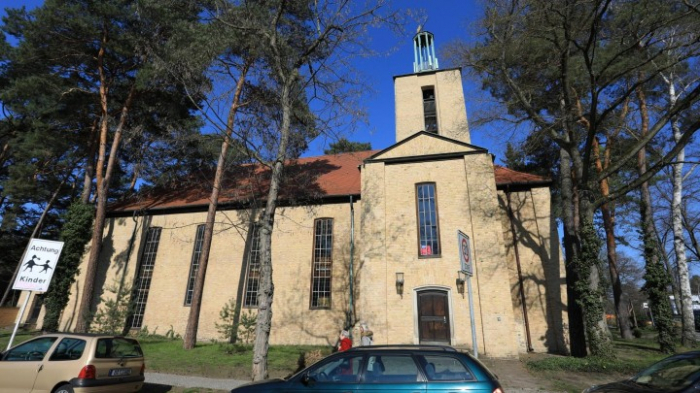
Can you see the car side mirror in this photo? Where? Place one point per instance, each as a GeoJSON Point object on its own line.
{"type": "Point", "coordinates": [308, 381]}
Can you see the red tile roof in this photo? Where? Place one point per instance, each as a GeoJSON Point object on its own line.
{"type": "Point", "coordinates": [506, 176]}
{"type": "Point", "coordinates": [306, 180]}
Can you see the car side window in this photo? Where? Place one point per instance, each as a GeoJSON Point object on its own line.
{"type": "Point", "coordinates": [391, 369]}
{"type": "Point", "coordinates": [117, 348]}
{"type": "Point", "coordinates": [338, 370]}
{"type": "Point", "coordinates": [68, 349]}
{"type": "Point", "coordinates": [31, 351]}
{"type": "Point", "coordinates": [445, 368]}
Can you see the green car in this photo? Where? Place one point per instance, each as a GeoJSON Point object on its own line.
{"type": "Point", "coordinates": [392, 368]}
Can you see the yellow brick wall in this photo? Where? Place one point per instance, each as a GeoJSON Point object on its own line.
{"type": "Point", "coordinates": [115, 263]}
{"type": "Point", "coordinates": [424, 145]}
{"type": "Point", "coordinates": [466, 199]}
{"type": "Point", "coordinates": [449, 97]}
{"type": "Point", "coordinates": [292, 246]}
{"type": "Point", "coordinates": [542, 270]}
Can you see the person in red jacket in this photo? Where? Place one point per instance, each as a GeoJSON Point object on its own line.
{"type": "Point", "coordinates": [344, 342]}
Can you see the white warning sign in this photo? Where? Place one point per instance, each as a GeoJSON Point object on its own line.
{"type": "Point", "coordinates": [39, 263]}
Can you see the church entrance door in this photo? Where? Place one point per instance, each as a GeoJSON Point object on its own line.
{"type": "Point", "coordinates": [433, 317]}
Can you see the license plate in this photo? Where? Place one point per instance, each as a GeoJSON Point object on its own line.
{"type": "Point", "coordinates": [119, 372]}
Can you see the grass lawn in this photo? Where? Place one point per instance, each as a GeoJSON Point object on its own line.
{"type": "Point", "coordinates": [218, 360]}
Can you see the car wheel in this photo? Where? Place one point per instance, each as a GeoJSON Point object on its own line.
{"type": "Point", "coordinates": [67, 388]}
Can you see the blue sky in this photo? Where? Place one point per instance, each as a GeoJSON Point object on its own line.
{"type": "Point", "coordinates": [447, 20]}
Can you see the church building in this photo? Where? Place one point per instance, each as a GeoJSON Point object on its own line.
{"type": "Point", "coordinates": [426, 241]}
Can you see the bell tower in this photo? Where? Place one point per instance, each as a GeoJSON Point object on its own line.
{"type": "Point", "coordinates": [430, 99]}
{"type": "Point", "coordinates": [424, 52]}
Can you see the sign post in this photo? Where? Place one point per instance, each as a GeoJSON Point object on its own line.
{"type": "Point", "coordinates": [33, 275]}
{"type": "Point", "coordinates": [466, 266]}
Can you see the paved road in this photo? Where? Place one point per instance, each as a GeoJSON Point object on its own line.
{"type": "Point", "coordinates": [187, 381]}
{"type": "Point", "coordinates": [227, 384]}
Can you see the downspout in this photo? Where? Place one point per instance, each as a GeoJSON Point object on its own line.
{"type": "Point", "coordinates": [521, 289]}
{"type": "Point", "coordinates": [351, 313]}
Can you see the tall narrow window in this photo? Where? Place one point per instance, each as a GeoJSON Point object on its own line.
{"type": "Point", "coordinates": [322, 263]}
{"type": "Point", "coordinates": [429, 111]}
{"type": "Point", "coordinates": [144, 276]}
{"type": "Point", "coordinates": [252, 280]}
{"type": "Point", "coordinates": [194, 265]}
{"type": "Point", "coordinates": [428, 228]}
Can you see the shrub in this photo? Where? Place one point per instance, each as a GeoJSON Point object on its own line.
{"type": "Point", "coordinates": [235, 324]}
{"type": "Point", "coordinates": [111, 316]}
{"type": "Point", "coordinates": [311, 357]}
{"type": "Point", "coordinates": [247, 325]}
{"type": "Point", "coordinates": [637, 332]}
{"type": "Point", "coordinates": [171, 335]}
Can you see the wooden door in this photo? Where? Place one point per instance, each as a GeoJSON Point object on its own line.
{"type": "Point", "coordinates": [433, 317]}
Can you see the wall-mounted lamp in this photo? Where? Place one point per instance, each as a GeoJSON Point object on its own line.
{"type": "Point", "coordinates": [399, 283]}
{"type": "Point", "coordinates": [461, 278]}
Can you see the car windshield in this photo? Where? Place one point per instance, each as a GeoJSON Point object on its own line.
{"type": "Point", "coordinates": [670, 374]}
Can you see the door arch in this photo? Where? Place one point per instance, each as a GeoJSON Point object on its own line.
{"type": "Point", "coordinates": [433, 316]}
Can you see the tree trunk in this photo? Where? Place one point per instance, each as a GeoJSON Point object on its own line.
{"type": "Point", "coordinates": [609, 223]}
{"type": "Point", "coordinates": [267, 288]}
{"type": "Point", "coordinates": [84, 310]}
{"type": "Point", "coordinates": [586, 262]}
{"type": "Point", "coordinates": [89, 165]}
{"type": "Point", "coordinates": [591, 295]}
{"type": "Point", "coordinates": [4, 154]}
{"type": "Point", "coordinates": [688, 335]}
{"type": "Point", "coordinates": [195, 307]}
{"type": "Point", "coordinates": [577, 336]}
{"type": "Point", "coordinates": [672, 272]}
{"type": "Point", "coordinates": [656, 277]}
{"type": "Point", "coordinates": [104, 122]}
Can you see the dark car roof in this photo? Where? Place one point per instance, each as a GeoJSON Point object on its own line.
{"type": "Point", "coordinates": [86, 335]}
{"type": "Point", "coordinates": [689, 354]}
{"type": "Point", "coordinates": [404, 347]}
